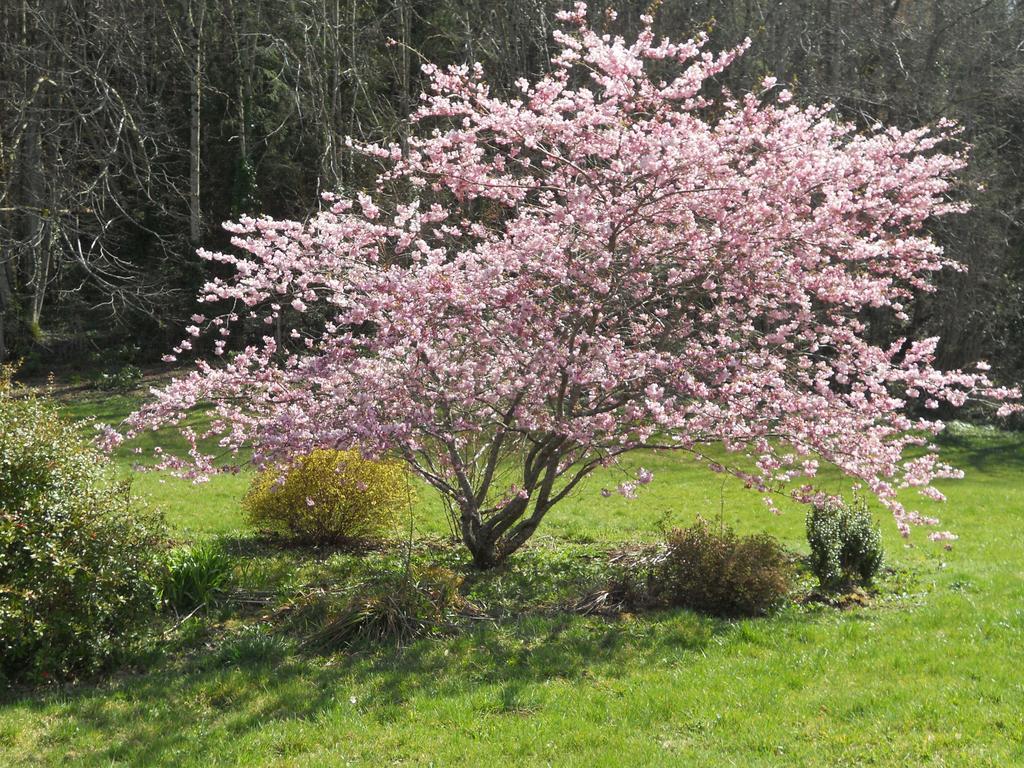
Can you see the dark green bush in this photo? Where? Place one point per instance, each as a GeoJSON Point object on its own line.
{"type": "Point", "coordinates": [709, 568]}
{"type": "Point", "coordinates": [846, 545]}
{"type": "Point", "coordinates": [195, 575]}
{"type": "Point", "coordinates": [78, 560]}
{"type": "Point", "coordinates": [123, 379]}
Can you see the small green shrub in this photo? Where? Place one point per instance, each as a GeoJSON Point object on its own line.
{"type": "Point", "coordinates": [846, 545]}
{"type": "Point", "coordinates": [396, 608]}
{"type": "Point", "coordinates": [329, 497]}
{"type": "Point", "coordinates": [254, 646]}
{"type": "Point", "coordinates": [195, 575]}
{"type": "Point", "coordinates": [124, 379]}
{"type": "Point", "coordinates": [78, 559]}
{"type": "Point", "coordinates": [712, 570]}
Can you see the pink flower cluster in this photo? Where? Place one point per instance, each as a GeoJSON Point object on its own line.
{"type": "Point", "coordinates": [607, 261]}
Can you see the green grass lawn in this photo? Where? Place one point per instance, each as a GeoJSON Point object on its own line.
{"type": "Point", "coordinates": [931, 674]}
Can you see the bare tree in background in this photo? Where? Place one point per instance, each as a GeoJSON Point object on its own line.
{"type": "Point", "coordinates": [83, 174]}
{"type": "Point", "coordinates": [129, 131]}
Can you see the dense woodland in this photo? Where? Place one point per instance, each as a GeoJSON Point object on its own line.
{"type": "Point", "coordinates": [129, 131]}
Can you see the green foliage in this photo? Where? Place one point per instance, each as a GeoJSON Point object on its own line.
{"type": "Point", "coordinates": [395, 608]}
{"type": "Point", "coordinates": [254, 646]}
{"type": "Point", "coordinates": [846, 545]}
{"type": "Point", "coordinates": [244, 198]}
{"type": "Point", "coordinates": [329, 497]}
{"type": "Point", "coordinates": [78, 559]}
{"type": "Point", "coordinates": [542, 577]}
{"type": "Point", "coordinates": [114, 369]}
{"type": "Point", "coordinates": [713, 570]}
{"type": "Point", "coordinates": [123, 379]}
{"type": "Point", "coordinates": [195, 575]}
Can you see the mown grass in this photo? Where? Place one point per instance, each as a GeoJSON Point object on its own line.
{"type": "Point", "coordinates": [930, 674]}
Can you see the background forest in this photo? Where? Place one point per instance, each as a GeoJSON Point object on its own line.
{"type": "Point", "coordinates": [129, 131]}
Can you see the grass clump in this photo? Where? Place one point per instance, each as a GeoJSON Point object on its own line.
{"type": "Point", "coordinates": [395, 609]}
{"type": "Point", "coordinates": [195, 575]}
{"type": "Point", "coordinates": [254, 646]}
{"type": "Point", "coordinates": [329, 497]}
{"type": "Point", "coordinates": [78, 559]}
{"type": "Point", "coordinates": [846, 545]}
{"type": "Point", "coordinates": [713, 570]}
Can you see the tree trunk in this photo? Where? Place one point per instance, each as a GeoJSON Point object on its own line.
{"type": "Point", "coordinates": [404, 95]}
{"type": "Point", "coordinates": [42, 263]}
{"type": "Point", "coordinates": [37, 227]}
{"type": "Point", "coordinates": [5, 305]}
{"type": "Point", "coordinates": [485, 554]}
{"type": "Point", "coordinates": [481, 549]}
{"type": "Point", "coordinates": [197, 13]}
{"type": "Point", "coordinates": [490, 543]}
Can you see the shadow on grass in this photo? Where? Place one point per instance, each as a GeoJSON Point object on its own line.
{"type": "Point", "coordinates": [150, 719]}
{"type": "Point", "coordinates": [983, 451]}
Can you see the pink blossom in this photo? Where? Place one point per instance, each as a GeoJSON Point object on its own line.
{"type": "Point", "coordinates": [108, 438]}
{"type": "Point", "coordinates": [627, 490]}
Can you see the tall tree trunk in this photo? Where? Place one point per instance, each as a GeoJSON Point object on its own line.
{"type": "Point", "coordinates": [353, 75]}
{"type": "Point", "coordinates": [244, 22]}
{"type": "Point", "coordinates": [37, 226]}
{"type": "Point", "coordinates": [42, 264]}
{"type": "Point", "coordinates": [5, 305]}
{"type": "Point", "coordinates": [196, 16]}
{"type": "Point", "coordinates": [404, 82]}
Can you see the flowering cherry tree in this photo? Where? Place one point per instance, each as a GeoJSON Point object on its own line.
{"type": "Point", "coordinates": [610, 260]}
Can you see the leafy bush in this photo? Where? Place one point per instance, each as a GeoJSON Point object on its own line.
{"type": "Point", "coordinates": [78, 560]}
{"type": "Point", "coordinates": [846, 546]}
{"type": "Point", "coordinates": [124, 379]}
{"type": "Point", "coordinates": [195, 575]}
{"type": "Point", "coordinates": [329, 496]}
{"type": "Point", "coordinates": [396, 608]}
{"type": "Point", "coordinates": [713, 570]}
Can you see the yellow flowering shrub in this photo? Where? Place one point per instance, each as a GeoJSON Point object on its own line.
{"type": "Point", "coordinates": [329, 496]}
